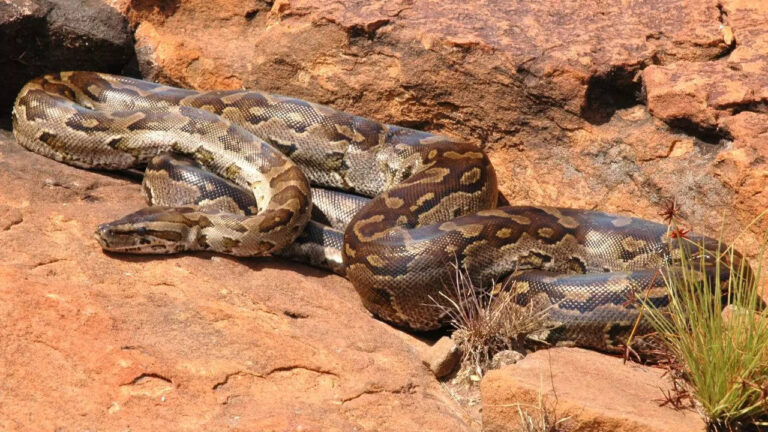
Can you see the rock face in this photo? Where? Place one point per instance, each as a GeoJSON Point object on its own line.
{"type": "Point", "coordinates": [90, 341]}
{"type": "Point", "coordinates": [41, 36]}
{"type": "Point", "coordinates": [613, 106]}
{"type": "Point", "coordinates": [593, 391]}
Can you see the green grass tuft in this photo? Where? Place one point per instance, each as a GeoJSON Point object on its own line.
{"type": "Point", "coordinates": [724, 362]}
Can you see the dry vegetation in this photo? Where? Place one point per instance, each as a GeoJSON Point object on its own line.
{"type": "Point", "coordinates": [488, 322]}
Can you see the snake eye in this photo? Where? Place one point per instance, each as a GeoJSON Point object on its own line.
{"type": "Point", "coordinates": [704, 257]}
{"type": "Point", "coordinates": [142, 231]}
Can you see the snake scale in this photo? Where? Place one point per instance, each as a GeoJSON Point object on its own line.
{"type": "Point", "coordinates": [237, 172]}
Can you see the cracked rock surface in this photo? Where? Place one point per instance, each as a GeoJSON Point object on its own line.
{"type": "Point", "coordinates": [90, 341]}
{"type": "Point", "coordinates": [620, 107]}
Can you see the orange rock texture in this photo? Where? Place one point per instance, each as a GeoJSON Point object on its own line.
{"type": "Point", "coordinates": [589, 391]}
{"type": "Point", "coordinates": [619, 107]}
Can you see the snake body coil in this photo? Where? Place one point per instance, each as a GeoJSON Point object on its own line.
{"type": "Point", "coordinates": [433, 200]}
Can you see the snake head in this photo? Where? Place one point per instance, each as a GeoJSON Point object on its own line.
{"type": "Point", "coordinates": [715, 258]}
{"type": "Point", "coordinates": [153, 230]}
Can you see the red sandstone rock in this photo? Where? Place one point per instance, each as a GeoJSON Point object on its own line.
{"type": "Point", "coordinates": [731, 312]}
{"type": "Point", "coordinates": [595, 392]}
{"type": "Point", "coordinates": [442, 357]}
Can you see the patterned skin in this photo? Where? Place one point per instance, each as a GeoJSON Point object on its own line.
{"type": "Point", "coordinates": [428, 201]}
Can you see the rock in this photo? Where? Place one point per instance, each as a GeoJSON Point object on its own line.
{"type": "Point", "coordinates": [620, 107]}
{"type": "Point", "coordinates": [700, 97]}
{"type": "Point", "coordinates": [442, 357]}
{"type": "Point", "coordinates": [731, 311]}
{"type": "Point", "coordinates": [91, 341]}
{"type": "Point", "coordinates": [41, 36]}
{"type": "Point", "coordinates": [506, 358]}
{"type": "Point", "coordinates": [594, 391]}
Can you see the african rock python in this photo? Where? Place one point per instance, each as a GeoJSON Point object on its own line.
{"type": "Point", "coordinates": [434, 200]}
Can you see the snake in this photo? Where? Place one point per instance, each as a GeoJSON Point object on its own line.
{"type": "Point", "coordinates": [248, 173]}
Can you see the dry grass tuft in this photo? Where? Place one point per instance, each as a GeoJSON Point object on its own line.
{"type": "Point", "coordinates": [543, 418]}
{"type": "Point", "coordinates": [488, 322]}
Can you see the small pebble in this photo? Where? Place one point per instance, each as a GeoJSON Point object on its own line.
{"type": "Point", "coordinates": [443, 357]}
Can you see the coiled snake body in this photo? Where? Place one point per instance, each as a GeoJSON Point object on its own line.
{"type": "Point", "coordinates": [433, 200]}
